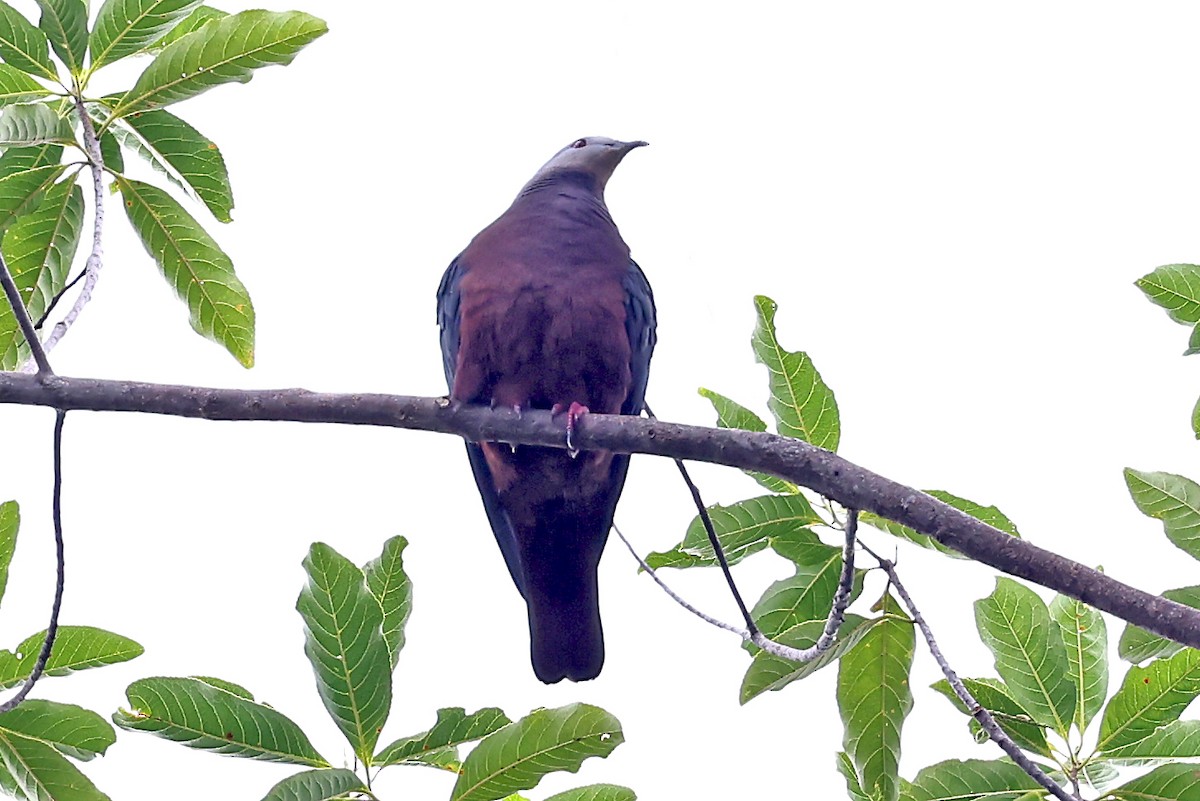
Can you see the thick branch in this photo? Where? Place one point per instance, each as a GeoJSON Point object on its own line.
{"type": "Point", "coordinates": [790, 459]}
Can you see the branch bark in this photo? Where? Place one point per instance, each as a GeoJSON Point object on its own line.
{"type": "Point", "coordinates": [796, 461]}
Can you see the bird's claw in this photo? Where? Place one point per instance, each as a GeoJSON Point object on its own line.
{"type": "Point", "coordinates": [574, 412]}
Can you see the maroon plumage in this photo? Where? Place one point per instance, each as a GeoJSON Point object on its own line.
{"type": "Point", "coordinates": [545, 309]}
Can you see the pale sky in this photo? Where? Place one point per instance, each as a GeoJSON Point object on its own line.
{"type": "Point", "coordinates": [949, 201]}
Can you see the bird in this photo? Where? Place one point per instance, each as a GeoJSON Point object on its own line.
{"type": "Point", "coordinates": [546, 309]}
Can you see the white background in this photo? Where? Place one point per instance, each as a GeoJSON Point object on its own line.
{"type": "Point", "coordinates": [949, 201]}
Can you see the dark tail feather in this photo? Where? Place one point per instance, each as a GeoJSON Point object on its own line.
{"type": "Point", "coordinates": [566, 639]}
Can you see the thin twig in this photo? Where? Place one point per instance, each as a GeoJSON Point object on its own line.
{"type": "Point", "coordinates": [54, 301]}
{"type": "Point", "coordinates": [60, 555]}
{"type": "Point", "coordinates": [95, 259]}
{"type": "Point", "coordinates": [22, 314]}
{"type": "Point", "coordinates": [826, 473]}
{"type": "Point", "coordinates": [985, 719]}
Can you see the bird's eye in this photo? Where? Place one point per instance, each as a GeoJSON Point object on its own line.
{"type": "Point", "coordinates": [578, 143]}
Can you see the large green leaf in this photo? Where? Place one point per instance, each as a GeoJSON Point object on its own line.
{"type": "Point", "coordinates": [1179, 739]}
{"type": "Point", "coordinates": [454, 727]}
{"type": "Point", "coordinates": [874, 698]}
{"type": "Point", "coordinates": [10, 522]}
{"type": "Point", "coordinates": [189, 153]}
{"type": "Point", "coordinates": [43, 774]}
{"type": "Point", "coordinates": [21, 192]}
{"type": "Point", "coordinates": [201, 715]}
{"type": "Point", "coordinates": [73, 730]}
{"type": "Point", "coordinates": [17, 87]}
{"type": "Point", "coordinates": [988, 514]}
{"type": "Point", "coordinates": [768, 672]}
{"type": "Point", "coordinates": [996, 780]}
{"type": "Point", "coordinates": [201, 16]}
{"type": "Point", "coordinates": [23, 46]}
{"type": "Point", "coordinates": [731, 414]}
{"type": "Point", "coordinates": [742, 529]}
{"type": "Point", "coordinates": [39, 249]}
{"type": "Point", "coordinates": [1174, 500]}
{"type": "Point", "coordinates": [1030, 655]}
{"type": "Point", "coordinates": [33, 124]}
{"type": "Point", "coordinates": [20, 159]}
{"type": "Point", "coordinates": [1175, 287]}
{"type": "Point", "coordinates": [65, 25]}
{"type": "Point", "coordinates": [517, 756]}
{"type": "Point", "coordinates": [390, 585]}
{"type": "Point", "coordinates": [993, 696]}
{"type": "Point", "coordinates": [75, 648]}
{"type": "Point", "coordinates": [202, 275]}
{"type": "Point", "coordinates": [1150, 697]}
{"type": "Point", "coordinates": [803, 405]}
{"type": "Point", "coordinates": [1177, 782]}
{"type": "Point", "coordinates": [596, 792]}
{"type": "Point", "coordinates": [226, 50]}
{"type": "Point", "coordinates": [344, 642]}
{"type": "Point", "coordinates": [805, 596]}
{"type": "Point", "coordinates": [1086, 639]}
{"type": "Point", "coordinates": [323, 784]}
{"type": "Point", "coordinates": [1138, 645]}
{"type": "Point", "coordinates": [123, 27]}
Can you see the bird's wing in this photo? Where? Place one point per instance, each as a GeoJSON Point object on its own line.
{"type": "Point", "coordinates": [449, 320]}
{"type": "Point", "coordinates": [640, 326]}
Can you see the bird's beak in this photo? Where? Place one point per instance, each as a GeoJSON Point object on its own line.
{"type": "Point", "coordinates": [627, 146]}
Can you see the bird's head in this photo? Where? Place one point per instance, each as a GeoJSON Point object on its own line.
{"type": "Point", "coordinates": [595, 155]}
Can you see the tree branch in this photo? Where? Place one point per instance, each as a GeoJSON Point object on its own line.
{"type": "Point", "coordinates": [791, 459]}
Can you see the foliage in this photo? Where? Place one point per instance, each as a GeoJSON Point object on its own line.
{"type": "Point", "coordinates": [354, 622]}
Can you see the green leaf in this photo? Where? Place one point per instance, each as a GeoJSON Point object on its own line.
{"type": "Point", "coordinates": [226, 50]}
{"type": "Point", "coordinates": [75, 648]}
{"type": "Point", "coordinates": [804, 407]}
{"type": "Point", "coordinates": [21, 192]}
{"type": "Point", "coordinates": [1175, 287]}
{"type": "Point", "coordinates": [73, 730]}
{"type": "Point", "coordinates": [200, 715]}
{"type": "Point", "coordinates": [65, 25]}
{"type": "Point", "coordinates": [43, 774]}
{"type": "Point", "coordinates": [20, 159]}
{"type": "Point", "coordinates": [1177, 782]}
{"type": "Point", "coordinates": [323, 784]}
{"type": "Point", "coordinates": [731, 414]}
{"type": "Point", "coordinates": [874, 698]}
{"type": "Point", "coordinates": [996, 780]}
{"type": "Point", "coordinates": [517, 756]}
{"type": "Point", "coordinates": [200, 17]}
{"type": "Point", "coordinates": [18, 87]}
{"type": "Point", "coordinates": [768, 672]}
{"type": "Point", "coordinates": [10, 522]}
{"type": "Point", "coordinates": [1099, 774]}
{"type": "Point", "coordinates": [391, 587]}
{"type": "Point", "coordinates": [1086, 638]}
{"type": "Point", "coordinates": [227, 686]}
{"type": "Point", "coordinates": [195, 266]}
{"type": "Point", "coordinates": [110, 151]}
{"type": "Point", "coordinates": [189, 153]}
{"type": "Point", "coordinates": [742, 529]}
{"type": "Point", "coordinates": [1030, 655]}
{"type": "Point", "coordinates": [846, 768]}
{"type": "Point", "coordinates": [1174, 500]}
{"type": "Point", "coordinates": [1179, 739]}
{"type": "Point", "coordinates": [988, 514]}
{"type": "Point", "coordinates": [454, 727]}
{"type": "Point", "coordinates": [39, 249]}
{"type": "Point", "coordinates": [344, 642]}
{"type": "Point", "coordinates": [805, 596]}
{"type": "Point", "coordinates": [596, 792]}
{"type": "Point", "coordinates": [993, 696]}
{"type": "Point", "coordinates": [1138, 645]}
{"type": "Point", "coordinates": [1150, 697]}
{"type": "Point", "coordinates": [123, 27]}
{"type": "Point", "coordinates": [23, 46]}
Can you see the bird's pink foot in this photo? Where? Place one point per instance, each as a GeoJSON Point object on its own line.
{"type": "Point", "coordinates": [574, 412]}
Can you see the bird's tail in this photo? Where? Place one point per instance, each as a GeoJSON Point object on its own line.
{"type": "Point", "coordinates": [566, 639]}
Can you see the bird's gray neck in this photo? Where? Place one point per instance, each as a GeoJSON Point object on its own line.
{"type": "Point", "coordinates": [580, 181]}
